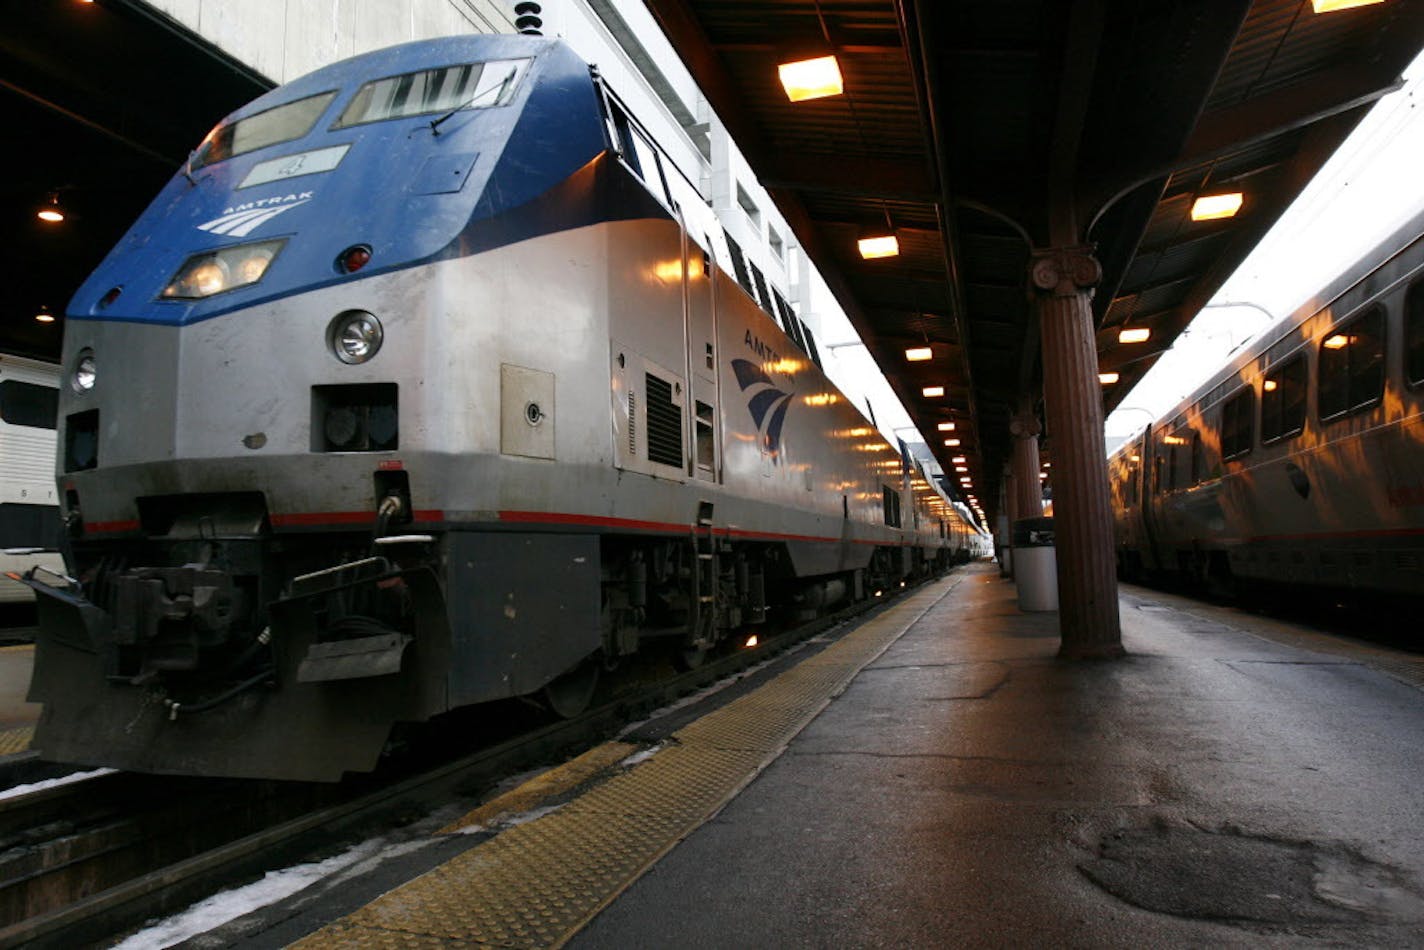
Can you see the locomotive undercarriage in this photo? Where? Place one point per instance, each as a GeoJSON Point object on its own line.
{"type": "Point", "coordinates": [222, 647]}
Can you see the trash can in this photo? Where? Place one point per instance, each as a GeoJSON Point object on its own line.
{"type": "Point", "coordinates": [1035, 564]}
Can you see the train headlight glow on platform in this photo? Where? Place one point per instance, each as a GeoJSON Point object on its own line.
{"type": "Point", "coordinates": [85, 374]}
{"type": "Point", "coordinates": [213, 272]}
{"type": "Point", "coordinates": [355, 336]}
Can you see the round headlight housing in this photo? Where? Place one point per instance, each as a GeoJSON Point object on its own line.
{"type": "Point", "coordinates": [355, 336]}
{"type": "Point", "coordinates": [84, 374]}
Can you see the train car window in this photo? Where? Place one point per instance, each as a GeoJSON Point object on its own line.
{"type": "Point", "coordinates": [762, 294]}
{"type": "Point", "coordinates": [1131, 485]}
{"type": "Point", "coordinates": [1351, 366]}
{"type": "Point", "coordinates": [1414, 332]}
{"type": "Point", "coordinates": [281, 123]}
{"type": "Point", "coordinates": [1198, 459]}
{"type": "Point", "coordinates": [1238, 417]}
{"type": "Point", "coordinates": [449, 89]}
{"type": "Point", "coordinates": [739, 265]}
{"type": "Point", "coordinates": [648, 166]}
{"type": "Point", "coordinates": [788, 320]}
{"type": "Point", "coordinates": [1158, 465]}
{"type": "Point", "coordinates": [27, 404]}
{"type": "Point", "coordinates": [810, 342]}
{"type": "Point", "coordinates": [1283, 401]}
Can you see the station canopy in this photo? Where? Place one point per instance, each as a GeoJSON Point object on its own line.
{"type": "Point", "coordinates": [959, 125]}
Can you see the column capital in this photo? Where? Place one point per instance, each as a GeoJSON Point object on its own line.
{"type": "Point", "coordinates": [1065, 271]}
{"type": "Point", "coordinates": [1025, 425]}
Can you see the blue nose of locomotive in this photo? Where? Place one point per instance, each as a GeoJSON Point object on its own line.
{"type": "Point", "coordinates": [335, 174]}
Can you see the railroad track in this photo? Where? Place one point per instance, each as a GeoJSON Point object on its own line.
{"type": "Point", "coordinates": [85, 860]}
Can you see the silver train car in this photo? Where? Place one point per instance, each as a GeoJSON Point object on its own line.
{"type": "Point", "coordinates": [430, 381]}
{"type": "Point", "coordinates": [1300, 466]}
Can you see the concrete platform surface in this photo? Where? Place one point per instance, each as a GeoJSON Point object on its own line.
{"type": "Point", "coordinates": [1229, 783]}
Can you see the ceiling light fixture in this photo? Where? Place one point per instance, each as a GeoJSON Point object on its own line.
{"type": "Point", "coordinates": [875, 246]}
{"type": "Point", "coordinates": [44, 316]}
{"type": "Point", "coordinates": [1330, 6]}
{"type": "Point", "coordinates": [811, 78]}
{"type": "Point", "coordinates": [1107, 379]}
{"type": "Point", "coordinates": [917, 354]}
{"type": "Point", "coordinates": [1134, 334]}
{"type": "Point", "coordinates": [932, 392]}
{"type": "Point", "coordinates": [1211, 207]}
{"type": "Point", "coordinates": [946, 427]}
{"type": "Point", "coordinates": [51, 211]}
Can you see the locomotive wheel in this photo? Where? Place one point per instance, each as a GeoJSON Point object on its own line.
{"type": "Point", "coordinates": [569, 694]}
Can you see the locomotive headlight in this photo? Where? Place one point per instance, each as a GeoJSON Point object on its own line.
{"type": "Point", "coordinates": [84, 375]}
{"type": "Point", "coordinates": [213, 272]}
{"type": "Point", "coordinates": [355, 336]}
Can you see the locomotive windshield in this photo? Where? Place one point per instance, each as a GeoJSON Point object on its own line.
{"type": "Point", "coordinates": [449, 89]}
{"type": "Point", "coordinates": [280, 124]}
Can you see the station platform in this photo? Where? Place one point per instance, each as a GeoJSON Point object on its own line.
{"type": "Point", "coordinates": [937, 777]}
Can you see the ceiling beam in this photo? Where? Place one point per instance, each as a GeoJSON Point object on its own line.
{"type": "Point", "coordinates": [1327, 93]}
{"type": "Point", "coordinates": [862, 177]}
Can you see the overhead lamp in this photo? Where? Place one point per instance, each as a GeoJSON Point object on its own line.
{"type": "Point", "coordinates": [1337, 342]}
{"type": "Point", "coordinates": [1134, 334]}
{"type": "Point", "coordinates": [946, 427]}
{"type": "Point", "coordinates": [875, 246]}
{"type": "Point", "coordinates": [932, 392]}
{"type": "Point", "coordinates": [51, 211]}
{"type": "Point", "coordinates": [951, 442]}
{"type": "Point", "coordinates": [918, 354]}
{"type": "Point", "coordinates": [1211, 207]}
{"type": "Point", "coordinates": [957, 459]}
{"type": "Point", "coordinates": [44, 316]}
{"type": "Point", "coordinates": [961, 468]}
{"type": "Point", "coordinates": [1107, 379]}
{"type": "Point", "coordinates": [1269, 385]}
{"type": "Point", "coordinates": [1042, 476]}
{"type": "Point", "coordinates": [1330, 6]}
{"type": "Point", "coordinates": [811, 78]}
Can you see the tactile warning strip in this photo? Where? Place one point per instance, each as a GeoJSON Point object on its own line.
{"type": "Point", "coordinates": [16, 740]}
{"type": "Point", "coordinates": [536, 884]}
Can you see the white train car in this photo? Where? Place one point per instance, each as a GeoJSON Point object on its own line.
{"type": "Point", "coordinates": [29, 508]}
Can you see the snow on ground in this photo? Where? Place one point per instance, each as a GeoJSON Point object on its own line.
{"type": "Point", "coordinates": [52, 782]}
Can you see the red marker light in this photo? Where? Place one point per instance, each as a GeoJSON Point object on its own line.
{"type": "Point", "coordinates": [353, 258]}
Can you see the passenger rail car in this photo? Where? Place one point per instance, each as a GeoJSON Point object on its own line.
{"type": "Point", "coordinates": [430, 381]}
{"type": "Point", "coordinates": [29, 511]}
{"type": "Point", "coordinates": [1300, 465]}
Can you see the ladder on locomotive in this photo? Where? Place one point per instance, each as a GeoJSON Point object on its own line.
{"type": "Point", "coordinates": [704, 579]}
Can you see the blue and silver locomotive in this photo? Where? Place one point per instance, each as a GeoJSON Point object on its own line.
{"type": "Point", "coordinates": [429, 381]}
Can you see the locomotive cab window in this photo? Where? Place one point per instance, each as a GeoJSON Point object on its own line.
{"type": "Point", "coordinates": [1238, 424]}
{"type": "Point", "coordinates": [282, 123]}
{"type": "Point", "coordinates": [1283, 401]}
{"type": "Point", "coordinates": [1414, 332]}
{"type": "Point", "coordinates": [1351, 368]}
{"type": "Point", "coordinates": [450, 89]}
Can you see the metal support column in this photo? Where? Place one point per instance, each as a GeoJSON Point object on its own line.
{"type": "Point", "coordinates": [1063, 279]}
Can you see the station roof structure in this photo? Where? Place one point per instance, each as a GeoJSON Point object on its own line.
{"type": "Point", "coordinates": [960, 123]}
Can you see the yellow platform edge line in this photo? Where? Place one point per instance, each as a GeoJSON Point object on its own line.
{"type": "Point", "coordinates": [545, 786]}
{"type": "Point", "coordinates": [538, 884]}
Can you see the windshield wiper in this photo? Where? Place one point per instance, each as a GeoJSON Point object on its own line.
{"type": "Point", "coordinates": [504, 84]}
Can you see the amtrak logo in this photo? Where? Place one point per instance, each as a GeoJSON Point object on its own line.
{"type": "Point", "coordinates": [241, 220]}
{"type": "Point", "coordinates": [766, 403]}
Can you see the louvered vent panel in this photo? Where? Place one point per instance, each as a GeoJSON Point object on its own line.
{"type": "Point", "coordinates": [664, 423]}
{"type": "Point", "coordinates": [632, 423]}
